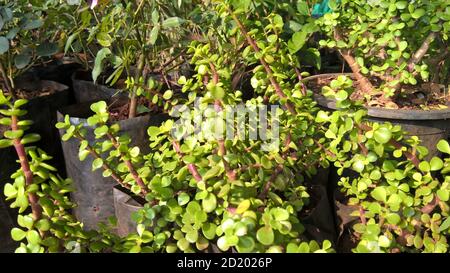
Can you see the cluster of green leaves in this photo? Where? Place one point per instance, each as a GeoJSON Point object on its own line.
{"type": "Point", "coordinates": [385, 38]}
{"type": "Point", "coordinates": [25, 37]}
{"type": "Point", "coordinates": [54, 225]}
{"type": "Point", "coordinates": [39, 187]}
{"type": "Point", "coordinates": [131, 33]}
{"type": "Point", "coordinates": [206, 193]}
{"type": "Point", "coordinates": [402, 199]}
{"type": "Point", "coordinates": [119, 158]}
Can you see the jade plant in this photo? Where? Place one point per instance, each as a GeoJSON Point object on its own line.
{"type": "Point", "coordinates": [389, 45]}
{"type": "Point", "coordinates": [205, 193]}
{"type": "Point", "coordinates": [45, 222]}
{"type": "Point", "coordinates": [24, 40]}
{"type": "Point", "coordinates": [399, 199]}
{"type": "Point", "coordinates": [36, 185]}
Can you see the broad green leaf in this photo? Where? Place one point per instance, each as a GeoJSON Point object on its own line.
{"type": "Point", "coordinates": [172, 22]}
{"type": "Point", "coordinates": [99, 107]}
{"type": "Point", "coordinates": [4, 45]}
{"type": "Point", "coordinates": [209, 230]}
{"type": "Point", "coordinates": [33, 237]}
{"type": "Point", "coordinates": [303, 8]}
{"type": "Point", "coordinates": [4, 143]}
{"type": "Point", "coordinates": [32, 24]}
{"type": "Point", "coordinates": [445, 225]}
{"type": "Point", "coordinates": [280, 214]}
{"type": "Point", "coordinates": [265, 235]}
{"type": "Point", "coordinates": [30, 138]}
{"type": "Point", "coordinates": [209, 204]}
{"type": "Point", "coordinates": [168, 94]}
{"type": "Point", "coordinates": [424, 166]}
{"type": "Point", "coordinates": [443, 146]}
{"type": "Point", "coordinates": [379, 194]}
{"type": "Point", "coordinates": [213, 172]}
{"type": "Point", "coordinates": [97, 164]}
{"type": "Point", "coordinates": [104, 39]}
{"type": "Point", "coordinates": [13, 134]}
{"type": "Point", "coordinates": [217, 92]}
{"type": "Point", "coordinates": [192, 236]}
{"type": "Point", "coordinates": [183, 199]}
{"type": "Point", "coordinates": [17, 234]}
{"type": "Point", "coordinates": [382, 135]}
{"type": "Point", "coordinates": [98, 64]}
{"type": "Point", "coordinates": [47, 49]}
{"type": "Point", "coordinates": [243, 206]}
{"type": "Point", "coordinates": [154, 34]}
{"type": "Point", "coordinates": [436, 164]}
{"type": "Point", "coordinates": [384, 241]}
{"type": "Point", "coordinates": [22, 60]}
{"type": "Point", "coordinates": [246, 244]}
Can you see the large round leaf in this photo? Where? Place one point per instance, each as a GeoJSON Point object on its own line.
{"type": "Point", "coordinates": [4, 45]}
{"type": "Point", "coordinates": [265, 235]}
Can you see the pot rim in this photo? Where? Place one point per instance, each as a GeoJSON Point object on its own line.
{"type": "Point", "coordinates": [378, 112]}
{"type": "Point", "coordinates": [127, 193]}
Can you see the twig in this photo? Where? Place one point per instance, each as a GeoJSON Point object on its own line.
{"type": "Point", "coordinates": [6, 79]}
{"type": "Point", "coordinates": [421, 51]}
{"type": "Point", "coordinates": [191, 167]}
{"type": "Point", "coordinates": [129, 165]}
{"type": "Point", "coordinates": [25, 166]}
{"type": "Point", "coordinates": [272, 178]}
{"type": "Point", "coordinates": [275, 84]}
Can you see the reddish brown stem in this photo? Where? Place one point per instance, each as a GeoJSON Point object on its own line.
{"type": "Point", "coordinates": [412, 157]}
{"type": "Point", "coordinates": [221, 143]}
{"type": "Point", "coordinates": [273, 82]}
{"type": "Point", "coordinates": [362, 216]}
{"type": "Point", "coordinates": [105, 167]}
{"type": "Point", "coordinates": [364, 83]}
{"type": "Point", "coordinates": [272, 178]}
{"type": "Point", "coordinates": [25, 166]}
{"type": "Point", "coordinates": [133, 98]}
{"type": "Point", "coordinates": [300, 79]}
{"type": "Point", "coordinates": [191, 167]}
{"type": "Point", "coordinates": [130, 166]}
{"type": "Point", "coordinates": [328, 152]}
{"type": "Point", "coordinates": [418, 56]}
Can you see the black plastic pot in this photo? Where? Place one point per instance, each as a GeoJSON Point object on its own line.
{"type": "Point", "coordinates": [94, 193]}
{"type": "Point", "coordinates": [58, 71]}
{"type": "Point", "coordinates": [319, 179]}
{"type": "Point", "coordinates": [429, 126]}
{"type": "Point", "coordinates": [125, 203]}
{"type": "Point", "coordinates": [85, 90]}
{"type": "Point", "coordinates": [42, 111]}
{"type": "Point", "coordinates": [7, 245]}
{"type": "Point", "coordinates": [319, 221]}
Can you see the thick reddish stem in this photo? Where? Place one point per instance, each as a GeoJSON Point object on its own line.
{"type": "Point", "coordinates": [272, 178]}
{"type": "Point", "coordinates": [221, 143]}
{"type": "Point", "coordinates": [191, 167]}
{"type": "Point", "coordinates": [394, 143]}
{"type": "Point", "coordinates": [364, 83]}
{"type": "Point", "coordinates": [130, 166]}
{"type": "Point", "coordinates": [25, 166]}
{"type": "Point", "coordinates": [273, 82]}
{"type": "Point", "coordinates": [418, 56]}
{"type": "Point", "coordinates": [105, 167]}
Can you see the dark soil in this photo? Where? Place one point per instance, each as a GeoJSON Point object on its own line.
{"type": "Point", "coordinates": [427, 96]}
{"type": "Point", "coordinates": [118, 109]}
